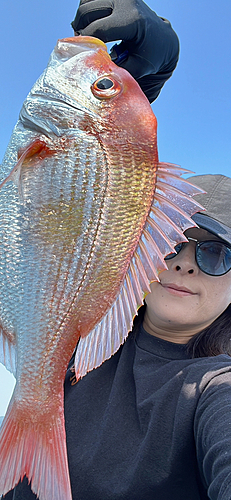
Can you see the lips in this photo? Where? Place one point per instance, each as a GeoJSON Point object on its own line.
{"type": "Point", "coordinates": [177, 289]}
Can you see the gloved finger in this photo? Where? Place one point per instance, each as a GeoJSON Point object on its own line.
{"type": "Point", "coordinates": [89, 11]}
{"type": "Point", "coordinates": [99, 29]}
{"type": "Point", "coordinates": [109, 29]}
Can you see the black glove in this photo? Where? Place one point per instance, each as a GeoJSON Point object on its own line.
{"type": "Point", "coordinates": [149, 48]}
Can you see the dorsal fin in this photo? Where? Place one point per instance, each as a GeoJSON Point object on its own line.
{"type": "Point", "coordinates": [168, 218]}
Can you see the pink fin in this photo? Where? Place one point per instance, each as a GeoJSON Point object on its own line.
{"type": "Point", "coordinates": [182, 185]}
{"type": "Point", "coordinates": [8, 350]}
{"type": "Point", "coordinates": [169, 217]}
{"type": "Point", "coordinates": [160, 222]}
{"type": "Point", "coordinates": [109, 334]}
{"type": "Point", "coordinates": [141, 273]}
{"type": "Point", "coordinates": [37, 451]}
{"type": "Point", "coordinates": [37, 147]}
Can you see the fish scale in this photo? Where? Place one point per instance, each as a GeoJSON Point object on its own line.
{"type": "Point", "coordinates": [87, 215]}
{"type": "Point", "coordinates": [58, 227]}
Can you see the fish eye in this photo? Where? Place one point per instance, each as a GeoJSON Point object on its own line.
{"type": "Point", "coordinates": [104, 84]}
{"type": "Point", "coordinates": [105, 88]}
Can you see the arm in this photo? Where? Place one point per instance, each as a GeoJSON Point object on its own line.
{"type": "Point", "coordinates": [213, 437]}
{"type": "Point", "coordinates": [149, 49]}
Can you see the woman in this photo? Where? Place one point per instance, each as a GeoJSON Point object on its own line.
{"type": "Point", "coordinates": [154, 421]}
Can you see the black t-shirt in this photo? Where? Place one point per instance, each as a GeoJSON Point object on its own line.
{"type": "Point", "coordinates": [150, 424]}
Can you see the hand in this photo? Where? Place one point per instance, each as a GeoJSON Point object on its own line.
{"type": "Point", "coordinates": [123, 19]}
{"type": "Point", "coordinates": [149, 45]}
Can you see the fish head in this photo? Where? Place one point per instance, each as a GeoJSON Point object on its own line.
{"type": "Point", "coordinates": [99, 94]}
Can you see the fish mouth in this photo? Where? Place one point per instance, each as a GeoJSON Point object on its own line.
{"type": "Point", "coordinates": [84, 42]}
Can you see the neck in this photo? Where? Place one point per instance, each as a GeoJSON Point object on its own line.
{"type": "Point", "coordinates": [171, 335]}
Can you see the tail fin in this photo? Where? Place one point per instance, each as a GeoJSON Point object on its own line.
{"type": "Point", "coordinates": [36, 450]}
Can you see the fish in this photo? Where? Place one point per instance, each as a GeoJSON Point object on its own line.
{"type": "Point", "coordinates": [87, 215]}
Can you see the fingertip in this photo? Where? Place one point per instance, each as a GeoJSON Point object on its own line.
{"type": "Point", "coordinates": [90, 31]}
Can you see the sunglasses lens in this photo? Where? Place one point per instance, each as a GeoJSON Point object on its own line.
{"type": "Point", "coordinates": [213, 257]}
{"type": "Point", "coordinates": [177, 250]}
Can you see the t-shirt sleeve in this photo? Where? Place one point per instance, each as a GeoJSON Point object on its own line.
{"type": "Point", "coordinates": [213, 437]}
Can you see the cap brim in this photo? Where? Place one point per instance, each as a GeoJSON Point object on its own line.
{"type": "Point", "coordinates": [215, 227]}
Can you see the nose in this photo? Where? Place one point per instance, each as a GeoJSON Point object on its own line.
{"type": "Point", "coordinates": [185, 261]}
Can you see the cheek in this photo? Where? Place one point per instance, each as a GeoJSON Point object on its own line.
{"type": "Point", "coordinates": [154, 300]}
{"type": "Point", "coordinates": [222, 294]}
{"type": "Point", "coordinates": [168, 311]}
{"type": "Point", "coordinates": [218, 294]}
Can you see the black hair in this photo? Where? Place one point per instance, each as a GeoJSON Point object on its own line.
{"type": "Point", "coordinates": [213, 340]}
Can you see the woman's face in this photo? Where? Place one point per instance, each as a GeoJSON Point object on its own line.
{"type": "Point", "coordinates": [186, 300]}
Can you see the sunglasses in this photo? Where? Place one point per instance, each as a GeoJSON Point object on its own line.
{"type": "Point", "coordinates": [212, 257]}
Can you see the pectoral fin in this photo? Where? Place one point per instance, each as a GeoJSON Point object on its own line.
{"type": "Point", "coordinates": [37, 147]}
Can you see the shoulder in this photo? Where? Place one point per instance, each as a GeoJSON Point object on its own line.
{"type": "Point", "coordinates": [209, 369]}
{"type": "Point", "coordinates": [206, 384]}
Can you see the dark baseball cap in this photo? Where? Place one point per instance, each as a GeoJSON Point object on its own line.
{"type": "Point", "coordinates": [217, 203]}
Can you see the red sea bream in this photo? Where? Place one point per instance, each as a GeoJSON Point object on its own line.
{"type": "Point", "coordinates": [87, 215]}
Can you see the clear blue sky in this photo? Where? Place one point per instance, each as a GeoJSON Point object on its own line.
{"type": "Point", "coordinates": [193, 110]}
